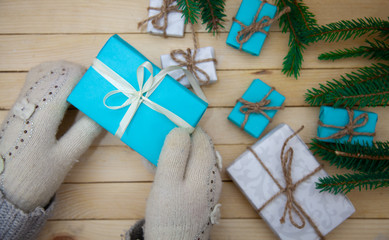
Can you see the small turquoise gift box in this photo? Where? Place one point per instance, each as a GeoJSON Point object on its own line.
{"type": "Point", "coordinates": [114, 92]}
{"type": "Point", "coordinates": [342, 125]}
{"type": "Point", "coordinates": [246, 15]}
{"type": "Point", "coordinates": [256, 108]}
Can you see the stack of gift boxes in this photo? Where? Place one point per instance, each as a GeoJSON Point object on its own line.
{"type": "Point", "coordinates": [277, 174]}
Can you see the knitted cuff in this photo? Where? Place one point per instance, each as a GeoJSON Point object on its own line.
{"type": "Point", "coordinates": [136, 231]}
{"type": "Point", "coordinates": [18, 225]}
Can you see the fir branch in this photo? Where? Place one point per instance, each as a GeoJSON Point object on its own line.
{"type": "Point", "coordinates": [190, 9]}
{"type": "Point", "coordinates": [378, 50]}
{"type": "Point", "coordinates": [347, 182]}
{"type": "Point", "coordinates": [357, 157]}
{"type": "Point", "coordinates": [346, 29]}
{"type": "Point", "coordinates": [212, 14]}
{"type": "Point", "coordinates": [296, 21]}
{"type": "Point", "coordinates": [369, 86]}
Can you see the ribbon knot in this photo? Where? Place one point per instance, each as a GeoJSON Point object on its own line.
{"type": "Point", "coordinates": [348, 129]}
{"type": "Point", "coordinates": [256, 26]}
{"type": "Point", "coordinates": [291, 204]}
{"type": "Point", "coordinates": [189, 61]}
{"type": "Point", "coordinates": [256, 107]}
{"type": "Point", "coordinates": [165, 9]}
{"type": "Point", "coordinates": [135, 98]}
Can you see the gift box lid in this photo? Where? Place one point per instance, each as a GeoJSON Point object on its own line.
{"type": "Point", "coordinates": [256, 122]}
{"type": "Point", "coordinates": [148, 129]}
{"type": "Point", "coordinates": [246, 13]}
{"type": "Point", "coordinates": [325, 209]}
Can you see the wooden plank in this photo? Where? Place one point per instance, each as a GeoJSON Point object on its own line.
{"type": "Point", "coordinates": [21, 52]}
{"type": "Point", "coordinates": [223, 131]}
{"type": "Point", "coordinates": [232, 85]}
{"type": "Point", "coordinates": [121, 16]}
{"type": "Point", "coordinates": [121, 164]}
{"type": "Point", "coordinates": [228, 229]}
{"type": "Point", "coordinates": [128, 201]}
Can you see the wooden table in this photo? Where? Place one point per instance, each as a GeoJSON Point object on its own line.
{"type": "Point", "coordinates": [106, 192]}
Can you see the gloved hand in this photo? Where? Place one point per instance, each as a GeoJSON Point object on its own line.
{"type": "Point", "coordinates": [186, 189]}
{"type": "Point", "coordinates": [35, 162]}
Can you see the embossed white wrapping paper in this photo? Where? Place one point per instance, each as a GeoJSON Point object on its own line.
{"type": "Point", "coordinates": [325, 209]}
{"type": "Point", "coordinates": [208, 67]}
{"type": "Point", "coordinates": [175, 21]}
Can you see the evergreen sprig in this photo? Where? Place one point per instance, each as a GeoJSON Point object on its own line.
{"type": "Point", "coordinates": [346, 29]}
{"type": "Point", "coordinates": [357, 157]}
{"type": "Point", "coordinates": [369, 86]}
{"type": "Point", "coordinates": [212, 14]}
{"type": "Point", "coordinates": [190, 9]}
{"type": "Point", "coordinates": [297, 21]}
{"type": "Point", "coordinates": [376, 50]}
{"type": "Point", "coordinates": [347, 182]}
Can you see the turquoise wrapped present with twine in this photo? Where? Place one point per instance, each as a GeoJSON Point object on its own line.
{"type": "Point", "coordinates": [346, 125]}
{"type": "Point", "coordinates": [256, 108]}
{"type": "Point", "coordinates": [251, 25]}
{"type": "Point", "coordinates": [136, 101]}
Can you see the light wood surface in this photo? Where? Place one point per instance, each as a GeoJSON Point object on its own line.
{"type": "Point", "coordinates": [105, 192]}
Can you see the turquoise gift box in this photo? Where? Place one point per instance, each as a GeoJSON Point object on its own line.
{"type": "Point", "coordinates": [256, 122]}
{"type": "Point", "coordinates": [148, 129]}
{"type": "Point", "coordinates": [246, 13]}
{"type": "Point", "coordinates": [339, 117]}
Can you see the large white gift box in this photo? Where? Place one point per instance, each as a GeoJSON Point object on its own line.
{"type": "Point", "coordinates": [324, 209]}
{"type": "Point", "coordinates": [175, 21]}
{"type": "Point", "coordinates": [209, 67]}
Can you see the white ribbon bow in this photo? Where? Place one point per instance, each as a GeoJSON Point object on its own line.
{"type": "Point", "coordinates": [135, 98]}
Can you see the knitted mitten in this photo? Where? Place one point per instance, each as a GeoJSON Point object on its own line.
{"type": "Point", "coordinates": [35, 162]}
{"type": "Point", "coordinates": [183, 201]}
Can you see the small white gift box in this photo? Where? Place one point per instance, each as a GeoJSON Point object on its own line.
{"type": "Point", "coordinates": [175, 20]}
{"type": "Point", "coordinates": [250, 171]}
{"type": "Point", "coordinates": [208, 66]}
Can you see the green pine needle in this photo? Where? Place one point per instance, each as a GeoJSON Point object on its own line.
{"type": "Point", "coordinates": [212, 14]}
{"type": "Point", "coordinates": [368, 87]}
{"type": "Point", "coordinates": [346, 29]}
{"type": "Point", "coordinates": [190, 9]}
{"type": "Point", "coordinates": [376, 50]}
{"type": "Point", "coordinates": [347, 182]}
{"type": "Point", "coordinates": [300, 19]}
{"type": "Point", "coordinates": [357, 157]}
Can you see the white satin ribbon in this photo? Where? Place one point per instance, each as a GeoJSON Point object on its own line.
{"type": "Point", "coordinates": [135, 98]}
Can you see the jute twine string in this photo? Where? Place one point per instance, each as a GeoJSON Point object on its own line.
{"type": "Point", "coordinates": [164, 10]}
{"type": "Point", "coordinates": [256, 107]}
{"type": "Point", "coordinates": [291, 204]}
{"type": "Point", "coordinates": [349, 128]}
{"type": "Point", "coordinates": [190, 61]}
{"type": "Point", "coordinates": [247, 31]}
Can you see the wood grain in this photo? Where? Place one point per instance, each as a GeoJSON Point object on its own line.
{"type": "Point", "coordinates": [228, 229]}
{"type": "Point", "coordinates": [232, 84]}
{"type": "Point", "coordinates": [128, 201]}
{"type": "Point", "coordinates": [223, 131]}
{"type": "Point", "coordinates": [21, 52]}
{"type": "Point", "coordinates": [122, 16]}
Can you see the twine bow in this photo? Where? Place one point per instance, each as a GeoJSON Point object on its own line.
{"type": "Point", "coordinates": [190, 63]}
{"type": "Point", "coordinates": [256, 107]}
{"type": "Point", "coordinates": [256, 26]}
{"type": "Point", "coordinates": [165, 9]}
{"type": "Point", "coordinates": [291, 203]}
{"type": "Point", "coordinates": [135, 98]}
{"type": "Point", "coordinates": [349, 128]}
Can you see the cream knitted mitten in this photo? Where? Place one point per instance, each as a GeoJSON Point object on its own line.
{"type": "Point", "coordinates": [183, 201]}
{"type": "Point", "coordinates": [35, 162]}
